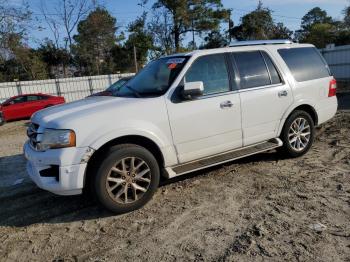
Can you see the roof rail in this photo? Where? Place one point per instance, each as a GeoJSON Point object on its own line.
{"type": "Point", "coordinates": [260, 42]}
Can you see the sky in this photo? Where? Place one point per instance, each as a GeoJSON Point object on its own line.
{"type": "Point", "coordinates": [289, 12]}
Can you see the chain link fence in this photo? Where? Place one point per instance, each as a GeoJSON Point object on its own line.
{"type": "Point", "coordinates": [70, 88]}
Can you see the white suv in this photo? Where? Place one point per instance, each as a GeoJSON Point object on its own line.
{"type": "Point", "coordinates": [182, 113]}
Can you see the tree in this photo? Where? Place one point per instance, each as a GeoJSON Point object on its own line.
{"type": "Point", "coordinates": [315, 16]}
{"type": "Point", "coordinates": [65, 14]}
{"type": "Point", "coordinates": [343, 34]}
{"type": "Point", "coordinates": [192, 15]}
{"type": "Point", "coordinates": [55, 58]}
{"type": "Point", "coordinates": [25, 63]}
{"type": "Point", "coordinates": [161, 30]}
{"type": "Point", "coordinates": [279, 31]}
{"type": "Point", "coordinates": [139, 38]}
{"type": "Point", "coordinates": [95, 38]}
{"type": "Point", "coordinates": [257, 25]}
{"type": "Point", "coordinates": [13, 20]}
{"type": "Point", "coordinates": [214, 39]}
{"type": "Point", "coordinates": [317, 28]}
{"type": "Point", "coordinates": [347, 16]}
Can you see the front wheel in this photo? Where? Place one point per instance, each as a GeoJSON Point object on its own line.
{"type": "Point", "coordinates": [298, 134]}
{"type": "Point", "coordinates": [2, 120]}
{"type": "Point", "coordinates": [127, 178]}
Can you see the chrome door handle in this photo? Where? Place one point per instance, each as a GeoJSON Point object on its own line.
{"type": "Point", "coordinates": [226, 104]}
{"type": "Point", "coordinates": [282, 93]}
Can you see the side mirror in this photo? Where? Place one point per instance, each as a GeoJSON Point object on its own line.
{"type": "Point", "coordinates": [193, 89]}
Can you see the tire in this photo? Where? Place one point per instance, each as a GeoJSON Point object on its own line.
{"type": "Point", "coordinates": [298, 134]}
{"type": "Point", "coordinates": [125, 188]}
{"type": "Point", "coordinates": [2, 121]}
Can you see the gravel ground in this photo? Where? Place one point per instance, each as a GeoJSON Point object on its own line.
{"type": "Point", "coordinates": [260, 208]}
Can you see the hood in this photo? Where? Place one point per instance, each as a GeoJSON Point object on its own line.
{"type": "Point", "coordinates": [105, 117]}
{"type": "Point", "coordinates": [70, 114]}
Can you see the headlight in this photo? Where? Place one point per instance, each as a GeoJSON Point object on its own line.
{"type": "Point", "coordinates": [54, 138]}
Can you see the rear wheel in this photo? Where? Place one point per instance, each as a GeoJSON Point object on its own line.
{"type": "Point", "coordinates": [127, 178]}
{"type": "Point", "coordinates": [298, 134]}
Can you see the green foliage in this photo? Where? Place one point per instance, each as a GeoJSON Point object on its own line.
{"type": "Point", "coordinates": [280, 31]}
{"type": "Point", "coordinates": [315, 16]}
{"type": "Point", "coordinates": [96, 37]}
{"type": "Point", "coordinates": [197, 15]}
{"type": "Point", "coordinates": [317, 28]}
{"type": "Point", "coordinates": [259, 25]}
{"type": "Point", "coordinates": [13, 20]}
{"type": "Point", "coordinates": [214, 39]}
{"type": "Point", "coordinates": [97, 48]}
{"type": "Point", "coordinates": [55, 58]}
{"type": "Point", "coordinates": [256, 25]}
{"type": "Point", "coordinates": [141, 39]}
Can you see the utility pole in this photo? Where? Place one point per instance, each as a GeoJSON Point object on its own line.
{"type": "Point", "coordinates": [230, 26]}
{"type": "Point", "coordinates": [135, 60]}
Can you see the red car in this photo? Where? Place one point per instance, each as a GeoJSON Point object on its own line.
{"type": "Point", "coordinates": [23, 106]}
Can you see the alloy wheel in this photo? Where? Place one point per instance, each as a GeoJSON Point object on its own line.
{"type": "Point", "coordinates": [128, 180]}
{"type": "Point", "coordinates": [299, 134]}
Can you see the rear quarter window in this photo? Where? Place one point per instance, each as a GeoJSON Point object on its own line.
{"type": "Point", "coordinates": [305, 63]}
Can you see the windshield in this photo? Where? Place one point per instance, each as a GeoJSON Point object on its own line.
{"type": "Point", "coordinates": [155, 79]}
{"type": "Point", "coordinates": [117, 85]}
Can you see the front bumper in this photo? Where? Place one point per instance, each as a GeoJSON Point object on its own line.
{"type": "Point", "coordinates": [71, 164]}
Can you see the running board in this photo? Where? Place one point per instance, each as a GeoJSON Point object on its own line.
{"type": "Point", "coordinates": [222, 158]}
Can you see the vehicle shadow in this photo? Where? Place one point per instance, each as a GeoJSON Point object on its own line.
{"type": "Point", "coordinates": [25, 204]}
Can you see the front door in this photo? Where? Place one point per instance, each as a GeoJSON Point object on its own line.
{"type": "Point", "coordinates": [211, 123]}
{"type": "Point", "coordinates": [15, 109]}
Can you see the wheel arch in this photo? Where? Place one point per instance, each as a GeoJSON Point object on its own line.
{"type": "Point", "coordinates": [302, 107]}
{"type": "Point", "coordinates": [139, 140]}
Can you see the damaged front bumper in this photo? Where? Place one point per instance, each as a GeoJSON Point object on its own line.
{"type": "Point", "coordinates": [60, 171]}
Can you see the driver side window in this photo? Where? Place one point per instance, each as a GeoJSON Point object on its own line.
{"type": "Point", "coordinates": [212, 71]}
{"type": "Point", "coordinates": [17, 100]}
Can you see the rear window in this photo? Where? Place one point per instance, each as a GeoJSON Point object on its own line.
{"type": "Point", "coordinates": [305, 63]}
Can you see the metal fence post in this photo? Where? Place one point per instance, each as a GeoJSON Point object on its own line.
{"type": "Point", "coordinates": [58, 88]}
{"type": "Point", "coordinates": [110, 79]}
{"type": "Point", "coordinates": [19, 88]}
{"type": "Point", "coordinates": [90, 86]}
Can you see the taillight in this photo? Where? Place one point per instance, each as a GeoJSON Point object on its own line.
{"type": "Point", "coordinates": [332, 88]}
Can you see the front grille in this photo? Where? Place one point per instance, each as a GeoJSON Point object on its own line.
{"type": "Point", "coordinates": [32, 133]}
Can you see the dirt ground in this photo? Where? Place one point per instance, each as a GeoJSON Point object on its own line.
{"type": "Point", "coordinates": [261, 208]}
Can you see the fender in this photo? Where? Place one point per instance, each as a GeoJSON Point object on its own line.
{"type": "Point", "coordinates": [165, 146]}
{"type": "Point", "coordinates": [290, 109]}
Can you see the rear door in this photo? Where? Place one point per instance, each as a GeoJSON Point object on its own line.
{"type": "Point", "coordinates": [211, 123]}
{"type": "Point", "coordinates": [34, 103]}
{"type": "Point", "coordinates": [264, 95]}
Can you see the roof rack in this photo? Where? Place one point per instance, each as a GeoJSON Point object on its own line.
{"type": "Point", "coordinates": [261, 42]}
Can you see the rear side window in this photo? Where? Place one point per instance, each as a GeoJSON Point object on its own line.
{"type": "Point", "coordinates": [275, 77]}
{"type": "Point", "coordinates": [252, 69]}
{"type": "Point", "coordinates": [305, 63]}
{"type": "Point", "coordinates": [33, 98]}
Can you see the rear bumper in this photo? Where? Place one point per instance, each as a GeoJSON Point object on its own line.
{"type": "Point", "coordinates": [70, 179]}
